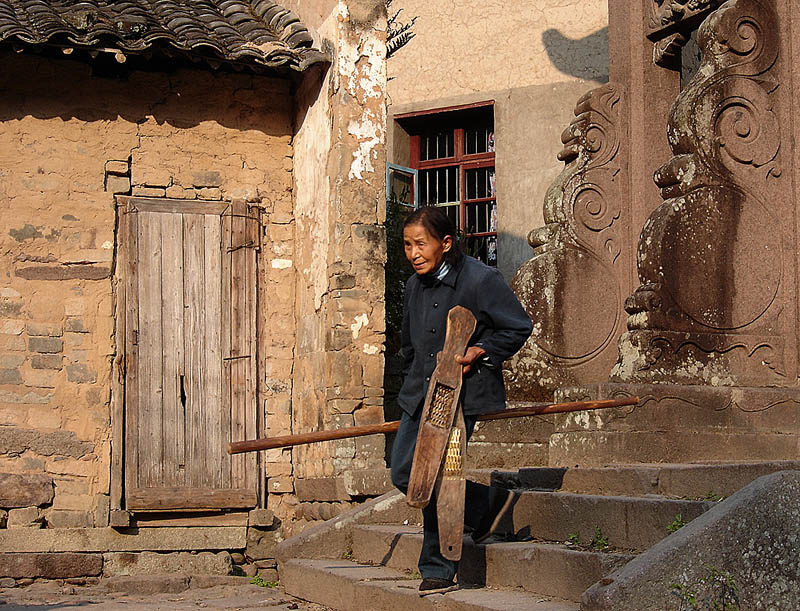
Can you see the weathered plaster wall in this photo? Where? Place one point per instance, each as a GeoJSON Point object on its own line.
{"type": "Point", "coordinates": [339, 184]}
{"type": "Point", "coordinates": [535, 59]}
{"type": "Point", "coordinates": [191, 134]}
{"type": "Point", "coordinates": [490, 45]}
{"type": "Point", "coordinates": [313, 13]}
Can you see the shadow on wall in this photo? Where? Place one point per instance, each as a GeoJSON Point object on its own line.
{"type": "Point", "coordinates": [585, 58]}
{"type": "Point", "coordinates": [181, 95]}
{"type": "Point", "coordinates": [512, 251]}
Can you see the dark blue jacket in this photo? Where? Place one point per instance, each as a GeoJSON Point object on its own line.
{"type": "Point", "coordinates": [502, 328]}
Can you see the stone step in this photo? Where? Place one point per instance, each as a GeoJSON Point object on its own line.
{"type": "Point", "coordinates": [693, 481]}
{"type": "Point", "coordinates": [629, 523]}
{"type": "Point", "coordinates": [343, 585]}
{"type": "Point", "coordinates": [550, 569]}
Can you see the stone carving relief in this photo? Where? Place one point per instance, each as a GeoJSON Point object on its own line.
{"type": "Point", "coordinates": [571, 286]}
{"type": "Point", "coordinates": [714, 302]}
{"type": "Point", "coordinates": [670, 24]}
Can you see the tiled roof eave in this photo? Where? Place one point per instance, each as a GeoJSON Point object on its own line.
{"type": "Point", "coordinates": [261, 33]}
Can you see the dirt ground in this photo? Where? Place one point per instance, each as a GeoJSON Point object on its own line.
{"type": "Point", "coordinates": [151, 593]}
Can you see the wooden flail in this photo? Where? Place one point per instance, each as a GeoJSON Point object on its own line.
{"type": "Point", "coordinates": [451, 488]}
{"type": "Point", "coordinates": [439, 409]}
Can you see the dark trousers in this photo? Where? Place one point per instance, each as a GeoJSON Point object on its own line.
{"type": "Point", "coordinates": [478, 497]}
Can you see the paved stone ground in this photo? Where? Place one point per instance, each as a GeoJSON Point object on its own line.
{"type": "Point", "coordinates": [156, 593]}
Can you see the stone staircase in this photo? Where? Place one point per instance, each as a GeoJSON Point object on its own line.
{"type": "Point", "coordinates": [366, 559]}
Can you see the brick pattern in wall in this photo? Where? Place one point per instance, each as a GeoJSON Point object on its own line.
{"type": "Point", "coordinates": [188, 135]}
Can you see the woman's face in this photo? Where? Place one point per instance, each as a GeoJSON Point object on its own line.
{"type": "Point", "coordinates": [423, 251]}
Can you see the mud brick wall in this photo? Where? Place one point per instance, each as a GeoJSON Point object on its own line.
{"type": "Point", "coordinates": [341, 250]}
{"type": "Point", "coordinates": [70, 141]}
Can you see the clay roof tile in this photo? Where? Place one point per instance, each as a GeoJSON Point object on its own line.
{"type": "Point", "coordinates": [255, 32]}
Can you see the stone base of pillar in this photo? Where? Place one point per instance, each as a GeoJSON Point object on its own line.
{"type": "Point", "coordinates": [678, 424]}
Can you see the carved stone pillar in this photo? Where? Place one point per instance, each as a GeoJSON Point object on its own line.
{"type": "Point", "coordinates": [711, 346]}
{"type": "Point", "coordinates": [716, 303]}
{"type": "Point", "coordinates": [583, 265]}
{"type": "Point", "coordinates": [574, 284]}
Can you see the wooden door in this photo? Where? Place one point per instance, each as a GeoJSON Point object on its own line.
{"type": "Point", "coordinates": [190, 353]}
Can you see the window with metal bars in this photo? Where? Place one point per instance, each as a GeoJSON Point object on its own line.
{"type": "Point", "coordinates": [453, 151]}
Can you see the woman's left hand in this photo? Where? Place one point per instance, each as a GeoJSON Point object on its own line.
{"type": "Point", "coordinates": [472, 354]}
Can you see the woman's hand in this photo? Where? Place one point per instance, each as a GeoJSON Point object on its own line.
{"type": "Point", "coordinates": [472, 354]}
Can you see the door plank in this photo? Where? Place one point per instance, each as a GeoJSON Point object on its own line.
{"type": "Point", "coordinates": [176, 206]}
{"type": "Point", "coordinates": [165, 499]}
{"type": "Point", "coordinates": [118, 370]}
{"type": "Point", "coordinates": [226, 330]}
{"type": "Point", "coordinates": [239, 343]}
{"type": "Point", "coordinates": [150, 350]}
{"type": "Point", "coordinates": [172, 324]}
{"type": "Point", "coordinates": [131, 457]}
{"type": "Point", "coordinates": [212, 356]}
{"type": "Point", "coordinates": [197, 474]}
{"type": "Point", "coordinates": [251, 406]}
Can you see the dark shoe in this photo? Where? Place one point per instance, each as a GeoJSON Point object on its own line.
{"type": "Point", "coordinates": [499, 509]}
{"type": "Point", "coordinates": [433, 585]}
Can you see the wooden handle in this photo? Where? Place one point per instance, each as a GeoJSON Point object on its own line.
{"type": "Point", "coordinates": [535, 409]}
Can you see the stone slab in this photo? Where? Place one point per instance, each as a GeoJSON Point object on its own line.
{"type": "Point", "coordinates": [14, 440]}
{"type": "Point", "coordinates": [213, 581]}
{"type": "Point", "coordinates": [531, 478]}
{"type": "Point", "coordinates": [688, 481]}
{"type": "Point", "coordinates": [678, 424]}
{"type": "Point", "coordinates": [346, 586]}
{"type": "Point", "coordinates": [25, 517]}
{"type": "Point", "coordinates": [690, 445]}
{"type": "Point", "coordinates": [83, 271]}
{"type": "Point", "coordinates": [547, 569]}
{"type": "Point", "coordinates": [123, 540]}
{"type": "Point", "coordinates": [395, 546]}
{"type": "Point", "coordinates": [25, 490]}
{"type": "Point", "coordinates": [550, 569]}
{"type": "Point", "coordinates": [505, 455]}
{"type": "Point", "coordinates": [119, 518]}
{"type": "Point", "coordinates": [148, 584]}
{"type": "Point", "coordinates": [514, 430]}
{"type": "Point", "coordinates": [367, 482]}
{"type": "Point", "coordinates": [50, 566]}
{"type": "Point", "coordinates": [723, 480]}
{"type": "Point", "coordinates": [69, 518]}
{"type": "Point", "coordinates": [329, 539]}
{"type": "Point", "coordinates": [628, 522]}
{"type": "Point", "coordinates": [752, 536]}
{"type": "Point", "coordinates": [261, 544]}
{"type": "Point", "coordinates": [337, 583]}
{"type": "Point", "coordinates": [321, 489]}
{"type": "Point", "coordinates": [152, 563]}
{"type": "Point", "coordinates": [260, 517]}
{"type": "Point", "coordinates": [222, 593]}
{"type": "Point", "coordinates": [500, 600]}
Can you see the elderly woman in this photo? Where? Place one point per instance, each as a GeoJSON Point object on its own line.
{"type": "Point", "coordinates": [445, 278]}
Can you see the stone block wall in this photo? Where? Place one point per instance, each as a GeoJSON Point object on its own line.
{"type": "Point", "coordinates": [71, 141]}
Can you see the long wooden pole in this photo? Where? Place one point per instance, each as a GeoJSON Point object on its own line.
{"type": "Point", "coordinates": [285, 441]}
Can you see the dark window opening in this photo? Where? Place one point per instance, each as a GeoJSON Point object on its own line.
{"type": "Point", "coordinates": [453, 150]}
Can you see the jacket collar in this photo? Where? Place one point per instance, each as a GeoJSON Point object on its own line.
{"type": "Point", "coordinates": [429, 280]}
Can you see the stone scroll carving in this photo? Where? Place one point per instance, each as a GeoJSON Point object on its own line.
{"type": "Point", "coordinates": [715, 304]}
{"type": "Point", "coordinates": [670, 24]}
{"type": "Point", "coordinates": [572, 287]}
